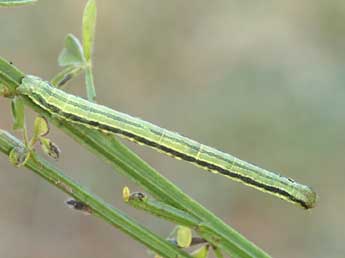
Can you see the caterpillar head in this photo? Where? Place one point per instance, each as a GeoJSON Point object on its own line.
{"type": "Point", "coordinates": [28, 84]}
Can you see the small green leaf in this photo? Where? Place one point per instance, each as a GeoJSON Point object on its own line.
{"type": "Point", "coordinates": [50, 148]}
{"type": "Point", "coordinates": [72, 54]}
{"type": "Point", "coordinates": [12, 3]}
{"type": "Point", "coordinates": [183, 236]}
{"type": "Point", "coordinates": [89, 24]}
{"type": "Point", "coordinates": [202, 252]}
{"type": "Point", "coordinates": [41, 127]}
{"type": "Point", "coordinates": [17, 105]}
{"type": "Point", "coordinates": [19, 156]}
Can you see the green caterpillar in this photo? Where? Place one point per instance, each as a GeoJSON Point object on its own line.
{"type": "Point", "coordinates": [80, 111]}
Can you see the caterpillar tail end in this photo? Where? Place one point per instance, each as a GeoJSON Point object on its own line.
{"type": "Point", "coordinates": [311, 198]}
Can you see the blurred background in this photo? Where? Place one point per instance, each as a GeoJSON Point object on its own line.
{"type": "Point", "coordinates": [263, 81]}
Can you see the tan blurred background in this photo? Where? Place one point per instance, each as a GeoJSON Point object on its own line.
{"type": "Point", "coordinates": [263, 80]}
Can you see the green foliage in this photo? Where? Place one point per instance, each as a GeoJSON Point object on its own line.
{"type": "Point", "coordinates": [72, 54]}
{"type": "Point", "coordinates": [19, 155]}
{"type": "Point", "coordinates": [47, 171]}
{"type": "Point", "coordinates": [183, 236]}
{"type": "Point", "coordinates": [89, 25]}
{"type": "Point", "coordinates": [41, 127]}
{"type": "Point", "coordinates": [17, 106]}
{"type": "Point", "coordinates": [90, 88]}
{"type": "Point", "coordinates": [202, 252]}
{"type": "Point", "coordinates": [73, 59]}
{"type": "Point", "coordinates": [76, 57]}
{"type": "Point", "coordinates": [12, 3]}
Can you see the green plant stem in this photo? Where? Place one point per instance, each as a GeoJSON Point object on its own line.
{"type": "Point", "coordinates": [13, 3]}
{"type": "Point", "coordinates": [165, 211]}
{"type": "Point", "coordinates": [61, 79]}
{"type": "Point", "coordinates": [111, 215]}
{"type": "Point", "coordinates": [177, 216]}
{"type": "Point", "coordinates": [90, 87]}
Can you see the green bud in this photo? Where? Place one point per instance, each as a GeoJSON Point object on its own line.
{"type": "Point", "coordinates": [19, 156]}
{"type": "Point", "coordinates": [50, 148]}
